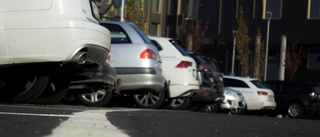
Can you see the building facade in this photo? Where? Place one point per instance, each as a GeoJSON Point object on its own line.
{"type": "Point", "coordinates": [298, 20]}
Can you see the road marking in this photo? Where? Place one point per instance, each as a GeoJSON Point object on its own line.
{"type": "Point", "coordinates": [31, 114]}
{"type": "Point", "coordinates": [91, 123]}
{"type": "Point", "coordinates": [82, 124]}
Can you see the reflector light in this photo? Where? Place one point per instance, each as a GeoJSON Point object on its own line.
{"type": "Point", "coordinates": [262, 93]}
{"type": "Point", "coordinates": [203, 66]}
{"type": "Point", "coordinates": [184, 64]}
{"type": "Point", "coordinates": [148, 54]}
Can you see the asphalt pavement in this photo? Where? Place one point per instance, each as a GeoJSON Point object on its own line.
{"type": "Point", "coordinates": [79, 121]}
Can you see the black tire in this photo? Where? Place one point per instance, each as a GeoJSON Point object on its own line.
{"type": "Point", "coordinates": [55, 90]}
{"type": "Point", "coordinates": [22, 90]}
{"type": "Point", "coordinates": [70, 99]}
{"type": "Point", "coordinates": [295, 110]}
{"type": "Point", "coordinates": [152, 100]}
{"type": "Point", "coordinates": [211, 108]}
{"type": "Point", "coordinates": [180, 103]}
{"type": "Point", "coordinates": [98, 98]}
{"type": "Point", "coordinates": [238, 111]}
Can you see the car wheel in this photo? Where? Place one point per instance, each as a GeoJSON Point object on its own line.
{"type": "Point", "coordinates": [55, 90]}
{"type": "Point", "coordinates": [70, 98]}
{"type": "Point", "coordinates": [98, 98]}
{"type": "Point", "coordinates": [180, 103]}
{"type": "Point", "coordinates": [151, 100]}
{"type": "Point", "coordinates": [22, 90]}
{"type": "Point", "coordinates": [212, 107]}
{"type": "Point", "coordinates": [295, 110]}
{"type": "Point", "coordinates": [237, 111]}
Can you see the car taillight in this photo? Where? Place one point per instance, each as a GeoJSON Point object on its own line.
{"type": "Point", "coordinates": [148, 54]}
{"type": "Point", "coordinates": [184, 64]}
{"type": "Point", "coordinates": [262, 93]}
{"type": "Point", "coordinates": [203, 67]}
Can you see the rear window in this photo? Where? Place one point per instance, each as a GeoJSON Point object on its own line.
{"type": "Point", "coordinates": [198, 59]}
{"type": "Point", "coordinates": [234, 83]}
{"type": "Point", "coordinates": [259, 84]}
{"type": "Point", "coordinates": [118, 34]}
{"type": "Point", "coordinates": [157, 45]}
{"type": "Point", "coordinates": [178, 47]}
{"type": "Point", "coordinates": [143, 36]}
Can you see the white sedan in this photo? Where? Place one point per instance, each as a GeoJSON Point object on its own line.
{"type": "Point", "coordinates": [257, 95]}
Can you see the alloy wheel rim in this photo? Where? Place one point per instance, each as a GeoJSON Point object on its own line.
{"type": "Point", "coordinates": [294, 110]}
{"type": "Point", "coordinates": [94, 96]}
{"type": "Point", "coordinates": [177, 102]}
{"type": "Point", "coordinates": [210, 108]}
{"type": "Point", "coordinates": [148, 99]}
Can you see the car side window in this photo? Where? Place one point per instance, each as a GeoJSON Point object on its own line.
{"type": "Point", "coordinates": [234, 83]}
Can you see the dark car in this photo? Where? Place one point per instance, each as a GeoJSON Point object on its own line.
{"type": "Point", "coordinates": [210, 76]}
{"type": "Point", "coordinates": [295, 98]}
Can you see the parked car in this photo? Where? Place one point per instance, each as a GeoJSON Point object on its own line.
{"type": "Point", "coordinates": [295, 98]}
{"type": "Point", "coordinates": [42, 48]}
{"type": "Point", "coordinates": [96, 91]}
{"type": "Point", "coordinates": [179, 69]}
{"type": "Point", "coordinates": [137, 63]}
{"type": "Point", "coordinates": [233, 102]}
{"type": "Point", "coordinates": [211, 81]}
{"type": "Point", "coordinates": [257, 95]}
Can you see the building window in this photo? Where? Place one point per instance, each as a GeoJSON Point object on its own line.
{"type": "Point", "coordinates": [314, 9]}
{"type": "Point", "coordinates": [154, 29]}
{"type": "Point", "coordinates": [272, 6]}
{"type": "Point", "coordinates": [169, 8]}
{"type": "Point", "coordinates": [155, 5]}
{"type": "Point", "coordinates": [185, 7]}
{"type": "Point", "coordinates": [314, 58]}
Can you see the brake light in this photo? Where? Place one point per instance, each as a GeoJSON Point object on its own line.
{"type": "Point", "coordinates": [148, 54]}
{"type": "Point", "coordinates": [262, 93]}
{"type": "Point", "coordinates": [184, 64]}
{"type": "Point", "coordinates": [203, 67]}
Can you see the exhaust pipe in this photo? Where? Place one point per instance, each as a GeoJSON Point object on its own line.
{"type": "Point", "coordinates": [80, 57]}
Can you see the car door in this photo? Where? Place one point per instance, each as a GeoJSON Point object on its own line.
{"type": "Point", "coordinates": [281, 91]}
{"type": "Point", "coordinates": [249, 94]}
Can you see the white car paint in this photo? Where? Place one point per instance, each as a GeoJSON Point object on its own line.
{"type": "Point", "coordinates": [181, 80]}
{"type": "Point", "coordinates": [250, 92]}
{"type": "Point", "coordinates": [47, 30]}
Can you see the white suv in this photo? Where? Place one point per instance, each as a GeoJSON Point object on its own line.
{"type": "Point", "coordinates": [45, 44]}
{"type": "Point", "coordinates": [180, 71]}
{"type": "Point", "coordinates": [257, 95]}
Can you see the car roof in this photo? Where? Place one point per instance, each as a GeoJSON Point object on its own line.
{"type": "Point", "coordinates": [133, 32]}
{"type": "Point", "coordinates": [240, 78]}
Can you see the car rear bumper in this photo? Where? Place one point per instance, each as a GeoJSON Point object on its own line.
{"type": "Point", "coordinates": [207, 95]}
{"type": "Point", "coordinates": [133, 79]}
{"type": "Point", "coordinates": [106, 76]}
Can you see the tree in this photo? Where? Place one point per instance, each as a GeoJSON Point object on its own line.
{"type": "Point", "coordinates": [294, 56]}
{"type": "Point", "coordinates": [242, 43]}
{"type": "Point", "coordinates": [259, 52]}
{"type": "Point", "coordinates": [134, 13]}
{"type": "Point", "coordinates": [193, 33]}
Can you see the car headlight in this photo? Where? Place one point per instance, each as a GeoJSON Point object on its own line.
{"type": "Point", "coordinates": [314, 95]}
